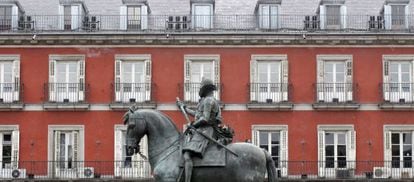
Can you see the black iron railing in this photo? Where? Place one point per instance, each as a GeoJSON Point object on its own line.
{"type": "Point", "coordinates": [269, 92]}
{"type": "Point", "coordinates": [397, 92]}
{"type": "Point", "coordinates": [335, 92]}
{"type": "Point", "coordinates": [133, 92]}
{"type": "Point", "coordinates": [11, 93]}
{"type": "Point", "coordinates": [359, 170]}
{"type": "Point", "coordinates": [207, 23]}
{"type": "Point", "coordinates": [66, 92]}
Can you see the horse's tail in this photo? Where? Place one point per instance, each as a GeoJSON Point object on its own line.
{"type": "Point", "coordinates": [270, 166]}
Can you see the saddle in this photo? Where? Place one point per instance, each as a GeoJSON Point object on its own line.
{"type": "Point", "coordinates": [214, 156]}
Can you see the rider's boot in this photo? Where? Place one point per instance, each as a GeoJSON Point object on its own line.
{"type": "Point", "coordinates": [188, 166]}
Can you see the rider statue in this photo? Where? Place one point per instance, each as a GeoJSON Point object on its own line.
{"type": "Point", "coordinates": [207, 118]}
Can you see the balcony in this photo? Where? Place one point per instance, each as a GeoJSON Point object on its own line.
{"type": "Point", "coordinates": [189, 91]}
{"type": "Point", "coordinates": [335, 96]}
{"type": "Point", "coordinates": [66, 96]}
{"type": "Point", "coordinates": [397, 96]}
{"type": "Point", "coordinates": [269, 96]}
{"type": "Point", "coordinates": [11, 96]}
{"type": "Point", "coordinates": [141, 171]}
{"type": "Point", "coordinates": [188, 24]}
{"type": "Point", "coordinates": [140, 95]}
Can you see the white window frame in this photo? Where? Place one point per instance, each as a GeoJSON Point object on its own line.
{"type": "Point", "coordinates": [350, 151]}
{"type": "Point", "coordinates": [66, 173]}
{"type": "Point", "coordinates": [140, 167]}
{"type": "Point", "coordinates": [207, 20]}
{"type": "Point", "coordinates": [123, 21]}
{"type": "Point", "coordinates": [323, 93]}
{"type": "Point", "coordinates": [77, 13]}
{"type": "Point", "coordinates": [191, 93]}
{"type": "Point", "coordinates": [15, 12]}
{"type": "Point", "coordinates": [342, 14]}
{"type": "Point", "coordinates": [15, 139]}
{"type": "Point", "coordinates": [388, 16]}
{"type": "Point", "coordinates": [282, 94]}
{"type": "Point", "coordinates": [14, 95]}
{"type": "Point", "coordinates": [284, 144]}
{"type": "Point", "coordinates": [388, 130]}
{"type": "Point", "coordinates": [54, 94]}
{"type": "Point", "coordinates": [268, 20]}
{"type": "Point", "coordinates": [139, 96]}
{"type": "Point", "coordinates": [388, 94]}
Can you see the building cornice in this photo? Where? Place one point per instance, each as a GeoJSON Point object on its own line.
{"type": "Point", "coordinates": [207, 39]}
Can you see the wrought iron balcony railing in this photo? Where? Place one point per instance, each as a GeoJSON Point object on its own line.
{"type": "Point", "coordinates": [205, 23]}
{"type": "Point", "coordinates": [141, 170]}
{"type": "Point", "coordinates": [11, 93]}
{"type": "Point", "coordinates": [269, 92]}
{"type": "Point", "coordinates": [335, 92]}
{"type": "Point", "coordinates": [133, 92]}
{"type": "Point", "coordinates": [66, 92]}
{"type": "Point", "coordinates": [399, 93]}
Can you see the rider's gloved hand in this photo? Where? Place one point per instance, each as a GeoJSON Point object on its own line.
{"type": "Point", "coordinates": [180, 104]}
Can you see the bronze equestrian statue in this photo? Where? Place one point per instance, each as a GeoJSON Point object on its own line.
{"type": "Point", "coordinates": [198, 147]}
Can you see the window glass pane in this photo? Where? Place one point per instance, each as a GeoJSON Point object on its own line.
{"type": "Point", "coordinates": [405, 67]}
{"type": "Point", "coordinates": [264, 140]}
{"type": "Point", "coordinates": [395, 163]}
{"type": "Point", "coordinates": [333, 16]}
{"type": "Point", "coordinates": [275, 151]}
{"type": "Point", "coordinates": [405, 77]}
{"type": "Point", "coordinates": [275, 138]}
{"type": "Point", "coordinates": [341, 162]}
{"type": "Point", "coordinates": [330, 162]}
{"type": "Point", "coordinates": [395, 150]}
{"type": "Point", "coordinates": [139, 72]}
{"type": "Point", "coordinates": [8, 76]}
{"type": "Point", "coordinates": [341, 150]}
{"type": "Point", "coordinates": [407, 150]}
{"type": "Point", "coordinates": [340, 67]}
{"type": "Point", "coordinates": [329, 138]}
{"type": "Point", "coordinates": [408, 163]}
{"type": "Point", "coordinates": [407, 137]}
{"type": "Point", "coordinates": [329, 150]}
{"type": "Point", "coordinates": [6, 156]}
{"type": "Point", "coordinates": [340, 78]}
{"type": "Point", "coordinates": [328, 67]}
{"type": "Point", "coordinates": [395, 138]}
{"type": "Point", "coordinates": [393, 67]}
{"type": "Point", "coordinates": [342, 138]}
{"type": "Point", "coordinates": [276, 160]}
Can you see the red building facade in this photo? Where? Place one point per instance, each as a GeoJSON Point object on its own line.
{"type": "Point", "coordinates": [329, 94]}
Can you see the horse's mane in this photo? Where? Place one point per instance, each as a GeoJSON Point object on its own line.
{"type": "Point", "coordinates": [151, 115]}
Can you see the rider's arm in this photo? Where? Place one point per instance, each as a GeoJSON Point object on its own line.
{"type": "Point", "coordinates": [190, 111]}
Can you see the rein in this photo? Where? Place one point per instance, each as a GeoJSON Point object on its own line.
{"type": "Point", "coordinates": [166, 150]}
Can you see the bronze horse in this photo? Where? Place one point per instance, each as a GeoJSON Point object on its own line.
{"type": "Point", "coordinates": [164, 153]}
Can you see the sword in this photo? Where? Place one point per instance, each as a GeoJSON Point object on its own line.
{"type": "Point", "coordinates": [201, 133]}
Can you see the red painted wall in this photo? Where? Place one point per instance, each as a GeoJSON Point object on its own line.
{"type": "Point", "coordinates": [167, 73]}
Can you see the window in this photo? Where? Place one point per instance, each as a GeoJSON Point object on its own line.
{"type": "Point", "coordinates": [333, 16]}
{"type": "Point", "coordinates": [202, 16]}
{"type": "Point", "coordinates": [66, 78]}
{"type": "Point", "coordinates": [398, 150]}
{"type": "Point", "coordinates": [334, 80]}
{"type": "Point", "coordinates": [274, 139]}
{"type": "Point", "coordinates": [133, 17]}
{"type": "Point", "coordinates": [66, 150]}
{"type": "Point", "coordinates": [9, 78]}
{"type": "Point", "coordinates": [396, 16]}
{"type": "Point", "coordinates": [132, 78]}
{"type": "Point", "coordinates": [336, 149]}
{"type": "Point", "coordinates": [6, 17]}
{"type": "Point", "coordinates": [130, 166]}
{"type": "Point", "coordinates": [71, 16]}
{"type": "Point", "coordinates": [397, 81]}
{"type": "Point", "coordinates": [199, 67]}
{"type": "Point", "coordinates": [268, 16]}
{"type": "Point", "coordinates": [9, 147]}
{"type": "Point", "coordinates": [269, 78]}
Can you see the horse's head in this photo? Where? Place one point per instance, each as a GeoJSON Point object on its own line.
{"type": "Point", "coordinates": [136, 129]}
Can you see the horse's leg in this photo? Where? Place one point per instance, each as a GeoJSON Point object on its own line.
{"type": "Point", "coordinates": [188, 166]}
